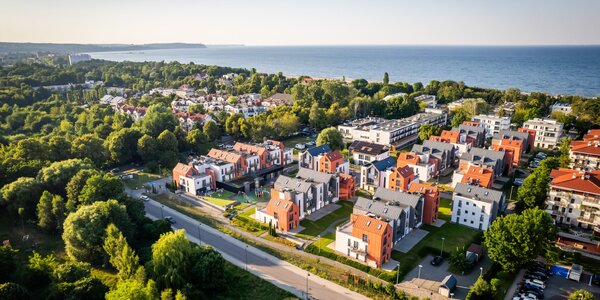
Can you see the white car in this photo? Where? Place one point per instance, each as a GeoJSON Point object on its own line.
{"type": "Point", "coordinates": [300, 146]}
{"type": "Point", "coordinates": [535, 282]}
{"type": "Point", "coordinates": [145, 198]}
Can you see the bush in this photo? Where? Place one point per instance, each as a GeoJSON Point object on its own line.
{"type": "Point", "coordinates": [503, 275]}
{"type": "Point", "coordinates": [13, 291]}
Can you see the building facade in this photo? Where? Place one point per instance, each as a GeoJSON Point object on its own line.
{"type": "Point", "coordinates": [365, 239]}
{"type": "Point", "coordinates": [548, 132]}
{"type": "Point", "coordinates": [474, 206]}
{"type": "Point", "coordinates": [492, 123]}
{"type": "Point", "coordinates": [574, 197]}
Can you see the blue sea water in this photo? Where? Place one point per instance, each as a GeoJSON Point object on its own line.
{"type": "Point", "coordinates": [564, 70]}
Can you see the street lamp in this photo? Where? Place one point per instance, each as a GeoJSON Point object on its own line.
{"type": "Point", "coordinates": [162, 215]}
{"type": "Point", "coordinates": [420, 266]}
{"type": "Point", "coordinates": [307, 275]}
{"type": "Point", "coordinates": [480, 271]}
{"type": "Point", "coordinates": [451, 295]}
{"type": "Point", "coordinates": [246, 257]}
{"type": "Point", "coordinates": [398, 273]}
{"type": "Point", "coordinates": [442, 251]}
{"type": "Point", "coordinates": [319, 243]}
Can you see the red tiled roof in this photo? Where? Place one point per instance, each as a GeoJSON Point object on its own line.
{"type": "Point", "coordinates": [586, 147]}
{"type": "Point", "coordinates": [368, 224]}
{"type": "Point", "coordinates": [587, 182]}
{"type": "Point", "coordinates": [249, 148]}
{"type": "Point", "coordinates": [421, 188]}
{"type": "Point", "coordinates": [333, 155]}
{"type": "Point", "coordinates": [408, 158]}
{"type": "Point", "coordinates": [224, 155]}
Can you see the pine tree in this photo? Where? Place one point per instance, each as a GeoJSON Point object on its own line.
{"type": "Point", "coordinates": [121, 255]}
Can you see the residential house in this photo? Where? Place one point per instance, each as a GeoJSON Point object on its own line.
{"type": "Point", "coordinates": [194, 181]}
{"type": "Point", "coordinates": [431, 198]}
{"type": "Point", "coordinates": [240, 165]}
{"type": "Point", "coordinates": [281, 212]}
{"type": "Point", "coordinates": [456, 138]}
{"type": "Point", "coordinates": [347, 186]}
{"type": "Point", "coordinates": [548, 132]}
{"type": "Point", "coordinates": [429, 100]}
{"type": "Point", "coordinates": [530, 140]}
{"type": "Point", "coordinates": [278, 99]}
{"type": "Point", "coordinates": [560, 107]}
{"type": "Point", "coordinates": [574, 197]}
{"type": "Point", "coordinates": [366, 152]}
{"type": "Point", "coordinates": [473, 175]}
{"type": "Point", "coordinates": [310, 158]}
{"type": "Point", "coordinates": [444, 153]}
{"type": "Point", "coordinates": [492, 123]}
{"type": "Point", "coordinates": [424, 166]}
{"type": "Point", "coordinates": [333, 162]}
{"type": "Point", "coordinates": [400, 178]}
{"type": "Point", "coordinates": [366, 239]}
{"type": "Point", "coordinates": [471, 134]}
{"type": "Point", "coordinates": [513, 148]}
{"type": "Point", "coordinates": [376, 173]}
{"type": "Point", "coordinates": [474, 206]}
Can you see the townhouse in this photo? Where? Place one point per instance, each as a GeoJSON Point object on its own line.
{"type": "Point", "coordinates": [400, 178]}
{"type": "Point", "coordinates": [431, 200]}
{"type": "Point", "coordinates": [376, 174]}
{"type": "Point", "coordinates": [323, 159]}
{"type": "Point", "coordinates": [309, 158]}
{"type": "Point", "coordinates": [492, 159]}
{"type": "Point", "coordinates": [560, 107]}
{"type": "Point", "coordinates": [281, 212]}
{"type": "Point", "coordinates": [548, 132]}
{"type": "Point", "coordinates": [278, 99]}
{"type": "Point", "coordinates": [585, 154]}
{"type": "Point", "coordinates": [189, 121]}
{"type": "Point", "coordinates": [366, 152]}
{"type": "Point", "coordinates": [473, 175]}
{"type": "Point", "coordinates": [513, 143]}
{"type": "Point", "coordinates": [471, 133]}
{"type": "Point", "coordinates": [195, 181]}
{"type": "Point", "coordinates": [444, 153]}
{"type": "Point", "coordinates": [475, 206]}
{"type": "Point", "coordinates": [456, 138]}
{"type": "Point", "coordinates": [530, 139]}
{"type": "Point", "coordinates": [365, 239]}
{"type": "Point", "coordinates": [403, 211]}
{"type": "Point", "coordinates": [574, 197]}
{"type": "Point", "coordinates": [492, 123]}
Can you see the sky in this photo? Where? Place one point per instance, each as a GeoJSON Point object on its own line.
{"type": "Point", "coordinates": [305, 22]}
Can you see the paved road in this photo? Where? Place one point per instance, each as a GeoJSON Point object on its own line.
{"type": "Point", "coordinates": [268, 267]}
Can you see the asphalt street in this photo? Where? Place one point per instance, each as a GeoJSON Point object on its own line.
{"type": "Point", "coordinates": [264, 265]}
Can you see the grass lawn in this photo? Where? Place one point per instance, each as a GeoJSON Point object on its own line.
{"type": "Point", "coordinates": [324, 241]}
{"type": "Point", "coordinates": [245, 285]}
{"type": "Point", "coordinates": [244, 221]}
{"type": "Point", "coordinates": [222, 195]}
{"type": "Point", "coordinates": [445, 209]}
{"type": "Point", "coordinates": [218, 201]}
{"type": "Point", "coordinates": [241, 206]}
{"type": "Point", "coordinates": [313, 228]}
{"type": "Point", "coordinates": [139, 179]}
{"type": "Point", "coordinates": [252, 198]}
{"type": "Point", "coordinates": [455, 236]}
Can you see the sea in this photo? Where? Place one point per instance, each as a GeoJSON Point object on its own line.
{"type": "Point", "coordinates": [557, 70]}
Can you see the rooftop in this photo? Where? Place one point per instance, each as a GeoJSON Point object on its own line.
{"type": "Point", "coordinates": [478, 193]}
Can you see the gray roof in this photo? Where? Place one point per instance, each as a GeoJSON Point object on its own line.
{"type": "Point", "coordinates": [449, 282]}
{"type": "Point", "coordinates": [470, 129]}
{"type": "Point", "coordinates": [477, 192]}
{"type": "Point", "coordinates": [432, 147]}
{"type": "Point", "coordinates": [399, 197]}
{"type": "Point", "coordinates": [298, 185]}
{"type": "Point", "coordinates": [315, 176]}
{"type": "Point", "coordinates": [378, 208]}
{"type": "Point", "coordinates": [515, 135]}
{"type": "Point", "coordinates": [483, 155]}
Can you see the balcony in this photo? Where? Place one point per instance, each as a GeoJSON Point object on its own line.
{"type": "Point", "coordinates": [589, 219]}
{"type": "Point", "coordinates": [591, 201]}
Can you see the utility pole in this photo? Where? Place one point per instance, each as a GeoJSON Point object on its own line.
{"type": "Point", "coordinates": [307, 276]}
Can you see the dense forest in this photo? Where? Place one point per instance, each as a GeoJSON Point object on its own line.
{"type": "Point", "coordinates": [56, 147]}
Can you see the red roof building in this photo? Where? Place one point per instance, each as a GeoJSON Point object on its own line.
{"type": "Point", "coordinates": [431, 194]}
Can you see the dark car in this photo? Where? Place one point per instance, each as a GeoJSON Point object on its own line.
{"type": "Point", "coordinates": [542, 275]}
{"type": "Point", "coordinates": [436, 261]}
{"type": "Point", "coordinates": [170, 219]}
{"type": "Point", "coordinates": [596, 279]}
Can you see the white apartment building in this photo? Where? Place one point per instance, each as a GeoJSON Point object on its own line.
{"type": "Point", "coordinates": [429, 100]}
{"type": "Point", "coordinates": [548, 132]}
{"type": "Point", "coordinates": [492, 123]}
{"type": "Point", "coordinates": [365, 152]}
{"type": "Point", "coordinates": [399, 132]}
{"type": "Point", "coordinates": [474, 206]}
{"type": "Point", "coordinates": [564, 108]}
{"type": "Point", "coordinates": [574, 197]}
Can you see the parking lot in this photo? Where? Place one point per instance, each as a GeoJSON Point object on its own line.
{"type": "Point", "coordinates": [561, 288]}
{"type": "Point", "coordinates": [437, 273]}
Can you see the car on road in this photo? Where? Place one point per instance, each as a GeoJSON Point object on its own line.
{"type": "Point", "coordinates": [115, 170]}
{"type": "Point", "coordinates": [300, 146]}
{"type": "Point", "coordinates": [170, 219]}
{"type": "Point", "coordinates": [144, 198]}
{"type": "Point", "coordinates": [436, 261]}
{"type": "Point", "coordinates": [518, 181]}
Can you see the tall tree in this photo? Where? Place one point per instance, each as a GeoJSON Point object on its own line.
{"type": "Point", "coordinates": [46, 218]}
{"type": "Point", "coordinates": [386, 78]}
{"type": "Point", "coordinates": [158, 118]}
{"type": "Point", "coordinates": [100, 188]}
{"type": "Point", "coordinates": [211, 130]}
{"type": "Point", "coordinates": [332, 137]}
{"type": "Point", "coordinates": [427, 130]}
{"type": "Point", "coordinates": [515, 240]}
{"type": "Point", "coordinates": [56, 176]}
{"type": "Point", "coordinates": [90, 146]}
{"type": "Point", "coordinates": [171, 259]}
{"type": "Point", "coordinates": [75, 186]}
{"type": "Point", "coordinates": [167, 141]}
{"type": "Point", "coordinates": [23, 192]}
{"type": "Point", "coordinates": [317, 117]}
{"type": "Point", "coordinates": [196, 139]}
{"type": "Point", "coordinates": [147, 148]}
{"type": "Point", "coordinates": [121, 255]}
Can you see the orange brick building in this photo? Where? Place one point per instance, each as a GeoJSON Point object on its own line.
{"type": "Point", "coordinates": [260, 151]}
{"type": "Point", "coordinates": [530, 140]}
{"type": "Point", "coordinates": [472, 174]}
{"type": "Point", "coordinates": [513, 149]}
{"type": "Point", "coordinates": [365, 239]}
{"type": "Point", "coordinates": [431, 194]}
{"type": "Point", "coordinates": [329, 162]}
{"type": "Point", "coordinates": [285, 213]}
{"type": "Point", "coordinates": [347, 186]}
{"type": "Point", "coordinates": [447, 136]}
{"type": "Point", "coordinates": [400, 178]}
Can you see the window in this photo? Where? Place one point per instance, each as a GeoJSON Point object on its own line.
{"type": "Point", "coordinates": [365, 238]}
{"type": "Point", "coordinates": [570, 210]}
{"type": "Point", "coordinates": [572, 200]}
{"type": "Point", "coordinates": [348, 242]}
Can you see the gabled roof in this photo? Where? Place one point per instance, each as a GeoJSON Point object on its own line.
{"type": "Point", "coordinates": [312, 175]}
{"type": "Point", "coordinates": [587, 182]}
{"type": "Point", "coordinates": [408, 158]}
{"type": "Point", "coordinates": [280, 205]}
{"type": "Point", "coordinates": [477, 192]}
{"type": "Point", "coordinates": [483, 156]}
{"type": "Point", "coordinates": [334, 155]}
{"type": "Point", "coordinates": [591, 147]}
{"type": "Point", "coordinates": [183, 169]}
{"type": "Point", "coordinates": [298, 185]}
{"type": "Point", "coordinates": [511, 134]}
{"type": "Point", "coordinates": [224, 155]}
{"type": "Point", "coordinates": [242, 147]}
{"type": "Point", "coordinates": [318, 150]}
{"type": "Point", "coordinates": [404, 171]}
{"type": "Point", "coordinates": [469, 129]}
{"type": "Point", "coordinates": [449, 282]}
{"type": "Point", "coordinates": [421, 188]}
{"type": "Point", "coordinates": [384, 164]}
{"type": "Point", "coordinates": [477, 175]}
{"type": "Point", "coordinates": [378, 208]}
{"type": "Point", "coordinates": [433, 148]}
{"type": "Point", "coordinates": [367, 148]}
{"type": "Point", "coordinates": [364, 223]}
{"type": "Point", "coordinates": [401, 198]}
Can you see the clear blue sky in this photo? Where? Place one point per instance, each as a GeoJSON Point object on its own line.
{"type": "Point", "coordinates": [305, 22]}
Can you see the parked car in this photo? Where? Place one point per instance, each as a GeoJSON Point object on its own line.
{"type": "Point", "coordinates": [542, 275]}
{"type": "Point", "coordinates": [311, 144]}
{"type": "Point", "coordinates": [533, 287]}
{"type": "Point", "coordinates": [518, 181]}
{"type": "Point", "coordinates": [145, 198]}
{"type": "Point", "coordinates": [541, 155]}
{"type": "Point", "coordinates": [115, 170]}
{"type": "Point", "coordinates": [535, 282]}
{"type": "Point", "coordinates": [596, 279]}
{"type": "Point", "coordinates": [538, 293]}
{"type": "Point", "coordinates": [529, 296]}
{"type": "Point", "coordinates": [170, 219]}
{"type": "Point", "coordinates": [534, 277]}
{"type": "Point", "coordinates": [436, 261]}
{"type": "Point", "coordinates": [300, 146]}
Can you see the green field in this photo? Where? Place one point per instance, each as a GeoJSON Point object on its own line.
{"type": "Point", "coordinates": [445, 209]}
{"type": "Point", "coordinates": [139, 179]}
{"type": "Point", "coordinates": [313, 228]}
{"type": "Point", "coordinates": [218, 201]}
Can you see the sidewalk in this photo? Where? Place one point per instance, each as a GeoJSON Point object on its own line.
{"type": "Point", "coordinates": [513, 287]}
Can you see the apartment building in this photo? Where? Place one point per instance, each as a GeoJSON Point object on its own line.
{"type": "Point", "coordinates": [398, 133]}
{"type": "Point", "coordinates": [564, 108]}
{"type": "Point", "coordinates": [334, 162]}
{"type": "Point", "coordinates": [400, 178]}
{"type": "Point", "coordinates": [474, 206]}
{"type": "Point", "coordinates": [376, 174]}
{"type": "Point", "coordinates": [574, 197]}
{"type": "Point", "coordinates": [548, 132]}
{"type": "Point", "coordinates": [512, 148]}
{"type": "Point", "coordinates": [492, 159]}
{"type": "Point", "coordinates": [473, 175]}
{"type": "Point", "coordinates": [492, 123]}
{"type": "Point", "coordinates": [366, 152]}
{"type": "Point", "coordinates": [585, 154]}
{"type": "Point", "coordinates": [194, 181]}
{"type": "Point", "coordinates": [530, 140]}
{"type": "Point", "coordinates": [403, 211]}
{"type": "Point", "coordinates": [429, 100]}
{"type": "Point", "coordinates": [309, 190]}
{"type": "Point", "coordinates": [310, 158]}
{"type": "Point", "coordinates": [456, 138]}
{"type": "Point", "coordinates": [471, 133]}
{"type": "Point", "coordinates": [365, 239]}
{"type": "Point", "coordinates": [271, 153]}
{"type": "Point", "coordinates": [431, 200]}
{"type": "Point", "coordinates": [444, 153]}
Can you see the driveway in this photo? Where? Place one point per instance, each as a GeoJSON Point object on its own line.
{"type": "Point", "coordinates": [438, 273]}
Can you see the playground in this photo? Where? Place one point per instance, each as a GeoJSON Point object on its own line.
{"type": "Point", "coordinates": [262, 194]}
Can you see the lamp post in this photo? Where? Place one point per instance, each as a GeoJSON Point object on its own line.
{"type": "Point", "coordinates": [420, 266]}
{"type": "Point", "coordinates": [480, 271]}
{"type": "Point", "coordinates": [307, 275]}
{"type": "Point", "coordinates": [246, 257]}
{"type": "Point", "coordinates": [319, 243]}
{"type": "Point", "coordinates": [451, 295]}
{"type": "Point", "coordinates": [162, 215]}
{"type": "Point", "coordinates": [398, 273]}
{"type": "Point", "coordinates": [442, 250]}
